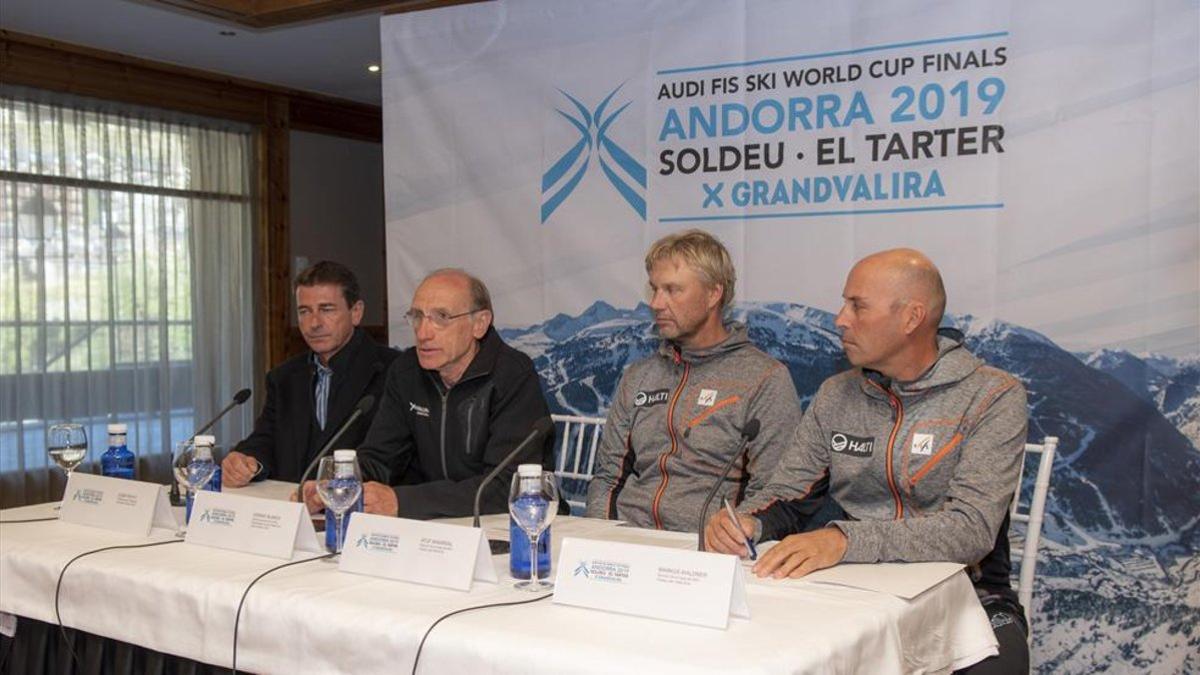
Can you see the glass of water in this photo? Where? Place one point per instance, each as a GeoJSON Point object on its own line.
{"type": "Point", "coordinates": [67, 446]}
{"type": "Point", "coordinates": [194, 467]}
{"type": "Point", "coordinates": [533, 503]}
{"type": "Point", "coordinates": [339, 485]}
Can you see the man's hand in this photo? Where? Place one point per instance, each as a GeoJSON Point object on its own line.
{"type": "Point", "coordinates": [311, 499]}
{"type": "Point", "coordinates": [800, 554]}
{"type": "Point", "coordinates": [381, 499]}
{"type": "Point", "coordinates": [722, 535]}
{"type": "Point", "coordinates": [238, 469]}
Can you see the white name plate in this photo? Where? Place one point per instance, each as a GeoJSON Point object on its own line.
{"type": "Point", "coordinates": [421, 552]}
{"type": "Point", "coordinates": [118, 504]}
{"type": "Point", "coordinates": [651, 581]}
{"type": "Point", "coordinates": [267, 527]}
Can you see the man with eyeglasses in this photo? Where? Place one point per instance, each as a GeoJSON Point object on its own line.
{"type": "Point", "coordinates": [454, 406]}
{"type": "Point", "coordinates": [311, 394]}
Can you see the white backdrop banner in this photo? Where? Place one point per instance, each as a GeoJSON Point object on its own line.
{"type": "Point", "coordinates": [1044, 155]}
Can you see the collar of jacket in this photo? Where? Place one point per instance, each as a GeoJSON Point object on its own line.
{"type": "Point", "coordinates": [954, 364]}
{"type": "Point", "coordinates": [738, 337]}
{"type": "Point", "coordinates": [345, 355]}
{"type": "Point", "coordinates": [483, 363]}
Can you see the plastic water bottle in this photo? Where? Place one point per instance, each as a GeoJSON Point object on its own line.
{"type": "Point", "coordinates": [204, 441]}
{"type": "Point", "coordinates": [518, 553]}
{"type": "Point", "coordinates": [117, 461]}
{"type": "Point", "coordinates": [344, 462]}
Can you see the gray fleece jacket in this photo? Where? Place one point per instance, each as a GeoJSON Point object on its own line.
{"type": "Point", "coordinates": [675, 420]}
{"type": "Point", "coordinates": [924, 469]}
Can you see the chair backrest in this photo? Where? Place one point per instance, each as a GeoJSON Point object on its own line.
{"type": "Point", "coordinates": [575, 460]}
{"type": "Point", "coordinates": [1032, 518]}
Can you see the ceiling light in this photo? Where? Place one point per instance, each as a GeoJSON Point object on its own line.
{"type": "Point", "coordinates": [373, 68]}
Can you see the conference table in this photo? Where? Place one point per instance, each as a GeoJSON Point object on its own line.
{"type": "Point", "coordinates": [181, 599]}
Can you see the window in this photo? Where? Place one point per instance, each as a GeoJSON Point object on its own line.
{"type": "Point", "coordinates": [124, 272]}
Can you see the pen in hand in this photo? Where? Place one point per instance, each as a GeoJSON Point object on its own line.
{"type": "Point", "coordinates": [737, 523]}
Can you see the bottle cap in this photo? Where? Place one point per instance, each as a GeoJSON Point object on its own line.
{"type": "Point", "coordinates": [117, 428]}
{"type": "Point", "coordinates": [345, 455]}
{"type": "Point", "coordinates": [529, 470]}
{"type": "Point", "coordinates": [205, 439]}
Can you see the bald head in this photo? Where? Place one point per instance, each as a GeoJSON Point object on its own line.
{"type": "Point", "coordinates": [475, 289]}
{"type": "Point", "coordinates": [912, 277]}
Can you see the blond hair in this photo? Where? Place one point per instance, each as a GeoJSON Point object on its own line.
{"type": "Point", "coordinates": [703, 253]}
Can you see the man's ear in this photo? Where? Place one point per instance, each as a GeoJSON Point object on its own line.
{"type": "Point", "coordinates": [715, 295]}
{"type": "Point", "coordinates": [356, 312]}
{"type": "Point", "coordinates": [480, 322]}
{"type": "Point", "coordinates": [914, 315]}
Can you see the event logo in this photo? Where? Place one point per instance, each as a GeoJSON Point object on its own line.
{"type": "Point", "coordinates": [88, 496]}
{"type": "Point", "coordinates": [594, 143]}
{"type": "Point", "coordinates": [604, 571]}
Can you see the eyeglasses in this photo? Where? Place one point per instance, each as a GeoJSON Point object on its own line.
{"type": "Point", "coordinates": [439, 317]}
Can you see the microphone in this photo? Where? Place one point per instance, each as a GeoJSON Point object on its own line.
{"type": "Point", "coordinates": [361, 408]}
{"type": "Point", "coordinates": [238, 399]}
{"type": "Point", "coordinates": [749, 433]}
{"type": "Point", "coordinates": [540, 428]}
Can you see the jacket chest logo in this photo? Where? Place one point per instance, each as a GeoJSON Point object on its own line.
{"type": "Point", "coordinates": [649, 398]}
{"type": "Point", "coordinates": [419, 410]}
{"type": "Point", "coordinates": [707, 397]}
{"type": "Point", "coordinates": [846, 444]}
{"type": "Point", "coordinates": [922, 444]}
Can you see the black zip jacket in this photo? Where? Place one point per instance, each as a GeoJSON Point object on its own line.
{"type": "Point", "coordinates": [286, 436]}
{"type": "Point", "coordinates": [435, 445]}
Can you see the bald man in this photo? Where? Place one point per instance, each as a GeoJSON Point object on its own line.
{"type": "Point", "coordinates": [919, 445]}
{"type": "Point", "coordinates": [454, 406]}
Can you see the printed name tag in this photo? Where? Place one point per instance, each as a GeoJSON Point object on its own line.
{"type": "Point", "coordinates": [651, 581]}
{"type": "Point", "coordinates": [119, 504]}
{"type": "Point", "coordinates": [251, 525]}
{"type": "Point", "coordinates": [437, 554]}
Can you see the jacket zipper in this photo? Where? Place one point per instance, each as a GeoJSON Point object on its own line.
{"type": "Point", "coordinates": [897, 406]}
{"type": "Point", "coordinates": [470, 409]}
{"type": "Point", "coordinates": [662, 460]}
{"type": "Point", "coordinates": [891, 479]}
{"type": "Point", "coordinates": [445, 471]}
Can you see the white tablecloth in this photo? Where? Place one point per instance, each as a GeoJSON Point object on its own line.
{"type": "Point", "coordinates": [310, 618]}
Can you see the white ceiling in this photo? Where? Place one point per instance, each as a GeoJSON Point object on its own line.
{"type": "Point", "coordinates": [328, 57]}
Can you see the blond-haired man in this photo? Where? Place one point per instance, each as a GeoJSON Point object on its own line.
{"type": "Point", "coordinates": [678, 415]}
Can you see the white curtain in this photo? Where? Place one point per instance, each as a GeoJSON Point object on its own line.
{"type": "Point", "coordinates": [125, 280]}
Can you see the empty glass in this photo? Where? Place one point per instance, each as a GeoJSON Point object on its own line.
{"type": "Point", "coordinates": [533, 503]}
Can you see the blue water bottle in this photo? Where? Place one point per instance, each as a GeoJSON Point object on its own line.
{"type": "Point", "coordinates": [117, 461]}
{"type": "Point", "coordinates": [344, 462]}
{"type": "Point", "coordinates": [206, 441]}
{"type": "Point", "coordinates": [518, 553]}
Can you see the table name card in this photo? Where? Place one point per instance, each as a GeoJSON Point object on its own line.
{"type": "Point", "coordinates": [421, 552]}
{"type": "Point", "coordinates": [267, 527]}
{"type": "Point", "coordinates": [118, 504]}
{"type": "Point", "coordinates": [651, 581]}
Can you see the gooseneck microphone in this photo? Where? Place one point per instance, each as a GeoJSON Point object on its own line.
{"type": "Point", "coordinates": [749, 433]}
{"type": "Point", "coordinates": [238, 399]}
{"type": "Point", "coordinates": [540, 428]}
{"type": "Point", "coordinates": [361, 408]}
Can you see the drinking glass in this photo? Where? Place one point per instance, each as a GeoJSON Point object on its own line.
{"type": "Point", "coordinates": [339, 485]}
{"type": "Point", "coordinates": [67, 446]}
{"type": "Point", "coordinates": [194, 467]}
{"type": "Point", "coordinates": [533, 503]}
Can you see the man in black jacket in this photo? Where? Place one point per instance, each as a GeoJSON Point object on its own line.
{"type": "Point", "coordinates": [453, 407]}
{"type": "Point", "coordinates": [310, 395]}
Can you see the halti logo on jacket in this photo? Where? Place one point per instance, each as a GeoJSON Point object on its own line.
{"type": "Point", "coordinates": [420, 410]}
{"type": "Point", "coordinates": [851, 445]}
{"type": "Point", "coordinates": [644, 398]}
